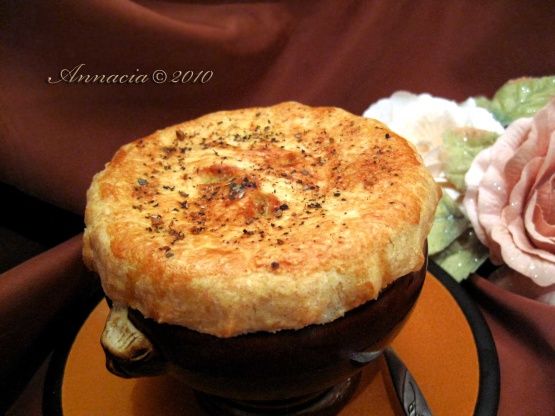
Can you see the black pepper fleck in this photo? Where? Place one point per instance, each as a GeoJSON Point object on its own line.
{"type": "Point", "coordinates": [179, 135]}
{"type": "Point", "coordinates": [197, 230]}
{"type": "Point", "coordinates": [156, 221]}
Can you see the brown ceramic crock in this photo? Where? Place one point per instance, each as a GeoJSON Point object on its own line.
{"type": "Point", "coordinates": [308, 371]}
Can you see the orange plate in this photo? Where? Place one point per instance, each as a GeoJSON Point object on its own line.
{"type": "Point", "coordinates": [436, 344]}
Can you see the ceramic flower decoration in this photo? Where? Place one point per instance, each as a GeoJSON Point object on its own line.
{"type": "Point", "coordinates": [510, 197]}
{"type": "Point", "coordinates": [448, 135]}
{"type": "Point", "coordinates": [424, 119]}
{"type": "Point", "coordinates": [508, 213]}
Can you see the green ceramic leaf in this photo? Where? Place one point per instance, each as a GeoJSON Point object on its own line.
{"type": "Point", "coordinates": [463, 256]}
{"type": "Point", "coordinates": [518, 98]}
{"type": "Point", "coordinates": [449, 223]}
{"type": "Point", "coordinates": [460, 147]}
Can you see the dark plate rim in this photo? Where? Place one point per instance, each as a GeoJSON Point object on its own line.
{"type": "Point", "coordinates": [489, 379]}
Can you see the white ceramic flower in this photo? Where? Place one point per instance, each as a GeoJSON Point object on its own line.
{"type": "Point", "coordinates": [422, 119]}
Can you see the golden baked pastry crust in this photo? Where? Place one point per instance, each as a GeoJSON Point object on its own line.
{"type": "Point", "coordinates": [258, 219]}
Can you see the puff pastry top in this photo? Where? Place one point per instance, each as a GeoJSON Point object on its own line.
{"type": "Point", "coordinates": [258, 219]}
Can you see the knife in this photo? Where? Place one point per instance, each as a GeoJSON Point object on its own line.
{"type": "Point", "coordinates": [409, 394]}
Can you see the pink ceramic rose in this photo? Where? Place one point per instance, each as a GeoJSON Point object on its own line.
{"type": "Point", "coordinates": [510, 197]}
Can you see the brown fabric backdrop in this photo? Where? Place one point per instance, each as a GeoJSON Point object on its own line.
{"type": "Point", "coordinates": [524, 333]}
{"type": "Point", "coordinates": [53, 138]}
{"type": "Point", "coordinates": [344, 53]}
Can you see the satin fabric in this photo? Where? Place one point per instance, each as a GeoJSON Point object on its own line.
{"type": "Point", "coordinates": [524, 334]}
{"type": "Point", "coordinates": [347, 54]}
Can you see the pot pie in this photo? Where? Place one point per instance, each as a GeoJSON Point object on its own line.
{"type": "Point", "coordinates": [258, 219]}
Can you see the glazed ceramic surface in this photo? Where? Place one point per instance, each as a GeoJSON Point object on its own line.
{"type": "Point", "coordinates": [262, 366]}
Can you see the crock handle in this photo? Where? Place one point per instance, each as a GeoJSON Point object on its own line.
{"type": "Point", "coordinates": [129, 353]}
